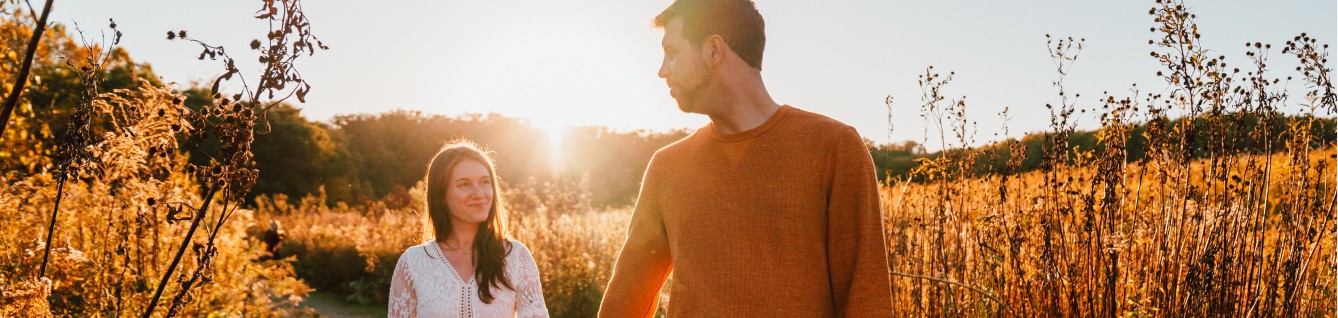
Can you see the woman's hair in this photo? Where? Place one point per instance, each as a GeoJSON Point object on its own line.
{"type": "Point", "coordinates": [492, 242]}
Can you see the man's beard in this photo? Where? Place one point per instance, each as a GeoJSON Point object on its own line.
{"type": "Point", "coordinates": [687, 100]}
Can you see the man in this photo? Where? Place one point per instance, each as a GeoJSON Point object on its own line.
{"type": "Point", "coordinates": [768, 211]}
{"type": "Point", "coordinates": [272, 237]}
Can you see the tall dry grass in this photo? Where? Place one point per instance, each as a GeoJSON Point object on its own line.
{"type": "Point", "coordinates": [1159, 253]}
{"type": "Point", "coordinates": [120, 227]}
{"type": "Point", "coordinates": [1196, 227]}
{"type": "Point", "coordinates": [98, 227]}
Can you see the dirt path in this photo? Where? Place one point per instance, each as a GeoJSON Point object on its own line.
{"type": "Point", "coordinates": [333, 306]}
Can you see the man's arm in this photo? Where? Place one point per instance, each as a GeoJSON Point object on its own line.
{"type": "Point", "coordinates": [644, 263]}
{"type": "Point", "coordinates": [857, 254]}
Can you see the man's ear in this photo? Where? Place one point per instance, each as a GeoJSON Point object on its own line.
{"type": "Point", "coordinates": [714, 49]}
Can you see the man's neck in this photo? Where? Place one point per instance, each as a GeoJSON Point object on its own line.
{"type": "Point", "coordinates": [743, 107]}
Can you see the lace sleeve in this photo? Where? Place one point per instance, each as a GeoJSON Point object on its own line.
{"type": "Point", "coordinates": [403, 297]}
{"type": "Point", "coordinates": [529, 290]}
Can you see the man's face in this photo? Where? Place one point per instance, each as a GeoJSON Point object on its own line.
{"type": "Point", "coordinates": [683, 68]}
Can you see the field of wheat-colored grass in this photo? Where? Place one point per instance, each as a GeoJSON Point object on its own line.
{"type": "Point", "coordinates": [966, 247]}
{"type": "Point", "coordinates": [1166, 247]}
{"type": "Point", "coordinates": [1215, 197]}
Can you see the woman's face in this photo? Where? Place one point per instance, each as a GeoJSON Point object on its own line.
{"type": "Point", "coordinates": [469, 192]}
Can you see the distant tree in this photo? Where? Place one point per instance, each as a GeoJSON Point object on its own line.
{"type": "Point", "coordinates": [611, 162]}
{"type": "Point", "coordinates": [897, 160]}
{"type": "Point", "coordinates": [294, 156]}
{"type": "Point", "coordinates": [388, 152]}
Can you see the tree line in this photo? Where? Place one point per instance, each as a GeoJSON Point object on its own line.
{"type": "Point", "coordinates": [897, 161]}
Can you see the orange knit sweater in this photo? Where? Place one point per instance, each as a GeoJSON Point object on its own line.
{"type": "Point", "coordinates": [781, 220]}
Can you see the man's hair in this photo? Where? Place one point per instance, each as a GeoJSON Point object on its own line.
{"type": "Point", "coordinates": [736, 21]}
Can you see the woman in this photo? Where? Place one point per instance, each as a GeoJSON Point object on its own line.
{"type": "Point", "coordinates": [472, 268]}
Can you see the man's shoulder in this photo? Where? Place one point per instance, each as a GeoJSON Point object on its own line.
{"type": "Point", "coordinates": [819, 126]}
{"type": "Point", "coordinates": [679, 147]}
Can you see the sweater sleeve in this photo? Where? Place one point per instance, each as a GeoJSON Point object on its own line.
{"type": "Point", "coordinates": [644, 263]}
{"type": "Point", "coordinates": [857, 252]}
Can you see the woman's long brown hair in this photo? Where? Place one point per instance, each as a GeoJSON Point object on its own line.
{"type": "Point", "coordinates": [492, 242]}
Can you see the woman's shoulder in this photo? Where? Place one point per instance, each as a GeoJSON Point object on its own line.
{"type": "Point", "coordinates": [517, 249]}
{"type": "Point", "coordinates": [519, 261]}
{"type": "Point", "coordinates": [416, 252]}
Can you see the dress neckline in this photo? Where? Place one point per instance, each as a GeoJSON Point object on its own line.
{"type": "Point", "coordinates": [441, 255]}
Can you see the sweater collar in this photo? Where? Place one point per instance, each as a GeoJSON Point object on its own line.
{"type": "Point", "coordinates": [748, 134]}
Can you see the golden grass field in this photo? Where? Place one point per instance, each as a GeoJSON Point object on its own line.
{"type": "Point", "coordinates": [958, 248]}
{"type": "Point", "coordinates": [1215, 198]}
{"type": "Point", "coordinates": [971, 236]}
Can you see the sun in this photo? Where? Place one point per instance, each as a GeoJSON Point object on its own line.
{"type": "Point", "coordinates": [556, 133]}
{"type": "Point", "coordinates": [559, 77]}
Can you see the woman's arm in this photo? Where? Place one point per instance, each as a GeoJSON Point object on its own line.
{"type": "Point", "coordinates": [403, 297]}
{"type": "Point", "coordinates": [529, 289]}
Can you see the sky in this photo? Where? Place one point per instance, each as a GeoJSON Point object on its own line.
{"type": "Point", "coordinates": [593, 62]}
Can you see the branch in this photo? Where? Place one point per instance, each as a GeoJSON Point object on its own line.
{"type": "Point", "coordinates": [13, 99]}
{"type": "Point", "coordinates": [51, 229]}
{"type": "Point", "coordinates": [199, 216]}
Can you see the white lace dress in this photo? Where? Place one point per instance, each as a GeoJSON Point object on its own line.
{"type": "Point", "coordinates": [425, 285]}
